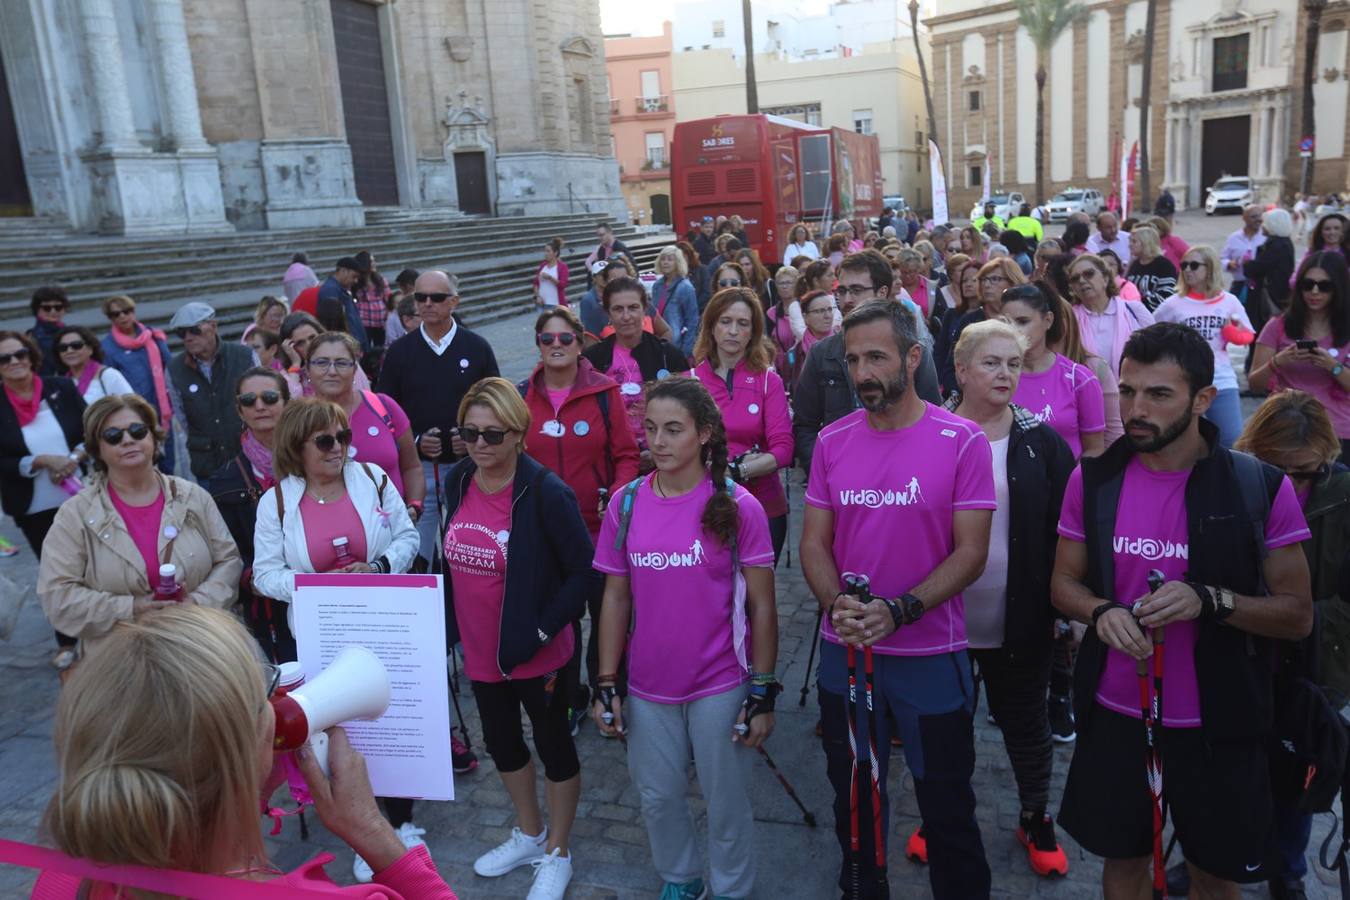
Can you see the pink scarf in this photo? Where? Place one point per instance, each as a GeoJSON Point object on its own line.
{"type": "Point", "coordinates": [259, 457]}
{"type": "Point", "coordinates": [145, 340]}
{"type": "Point", "coordinates": [26, 410]}
{"type": "Point", "coordinates": [91, 371]}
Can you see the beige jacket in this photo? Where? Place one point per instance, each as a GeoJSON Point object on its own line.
{"type": "Point", "coordinates": [91, 572]}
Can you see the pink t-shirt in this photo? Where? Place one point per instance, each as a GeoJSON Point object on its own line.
{"type": "Point", "coordinates": [1067, 397]}
{"type": "Point", "coordinates": [558, 398]}
{"type": "Point", "coordinates": [324, 523]}
{"type": "Point", "coordinates": [625, 370]}
{"type": "Point", "coordinates": [755, 413]}
{"type": "Point", "coordinates": [893, 495]}
{"type": "Point", "coordinates": [681, 648]}
{"type": "Point", "coordinates": [143, 525]}
{"type": "Point", "coordinates": [373, 442]}
{"type": "Point", "coordinates": [1151, 533]}
{"type": "Point", "coordinates": [475, 554]}
{"type": "Point", "coordinates": [1310, 378]}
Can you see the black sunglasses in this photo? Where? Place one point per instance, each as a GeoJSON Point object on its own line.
{"type": "Point", "coordinates": [325, 442]}
{"type": "Point", "coordinates": [271, 398]}
{"type": "Point", "coordinates": [494, 437]}
{"type": "Point", "coordinates": [1316, 474]}
{"type": "Point", "coordinates": [725, 283]}
{"type": "Point", "coordinates": [1191, 265]}
{"type": "Point", "coordinates": [137, 431]}
{"type": "Point", "coordinates": [119, 313]}
{"type": "Point", "coordinates": [52, 307]}
{"type": "Point", "coordinates": [194, 330]}
{"type": "Point", "coordinates": [566, 338]}
{"type": "Point", "coordinates": [431, 298]}
{"type": "Point", "coordinates": [7, 358]}
{"type": "Point", "coordinates": [71, 345]}
{"type": "Point", "coordinates": [1322, 286]}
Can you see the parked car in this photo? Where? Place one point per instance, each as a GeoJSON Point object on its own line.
{"type": "Point", "coordinates": [1075, 200]}
{"type": "Point", "coordinates": [1005, 205]}
{"type": "Point", "coordinates": [1230, 192]}
{"type": "Point", "coordinates": [895, 202]}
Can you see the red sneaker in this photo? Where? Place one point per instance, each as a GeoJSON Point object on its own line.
{"type": "Point", "coordinates": [916, 848]}
{"type": "Point", "coordinates": [1043, 850]}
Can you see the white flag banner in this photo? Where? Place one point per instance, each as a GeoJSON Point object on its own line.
{"type": "Point", "coordinates": [1124, 182]}
{"type": "Point", "coordinates": [985, 194]}
{"type": "Point", "coordinates": [939, 184]}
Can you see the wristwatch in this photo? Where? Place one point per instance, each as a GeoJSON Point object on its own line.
{"type": "Point", "coordinates": [543, 638]}
{"type": "Point", "coordinates": [1336, 370]}
{"type": "Point", "coordinates": [912, 607]}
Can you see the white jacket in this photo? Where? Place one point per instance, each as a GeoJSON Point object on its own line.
{"type": "Point", "coordinates": [280, 550]}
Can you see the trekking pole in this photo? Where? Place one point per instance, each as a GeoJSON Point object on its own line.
{"type": "Point", "coordinates": [438, 553]}
{"type": "Point", "coordinates": [857, 586]}
{"type": "Point", "coordinates": [811, 658]}
{"type": "Point", "coordinates": [807, 816]}
{"type": "Point", "coordinates": [1152, 715]}
{"type": "Point", "coordinates": [878, 847]}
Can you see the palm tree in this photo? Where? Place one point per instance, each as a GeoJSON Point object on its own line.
{"type": "Point", "coordinates": [1145, 89]}
{"type": "Point", "coordinates": [923, 72]}
{"type": "Point", "coordinates": [751, 90]}
{"type": "Point", "coordinates": [1314, 10]}
{"type": "Point", "coordinates": [1045, 21]}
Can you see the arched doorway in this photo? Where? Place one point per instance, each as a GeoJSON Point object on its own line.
{"type": "Point", "coordinates": [14, 199]}
{"type": "Point", "coordinates": [660, 209]}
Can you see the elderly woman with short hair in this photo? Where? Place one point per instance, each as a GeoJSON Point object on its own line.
{"type": "Point", "coordinates": [675, 298]}
{"type": "Point", "coordinates": [107, 552]}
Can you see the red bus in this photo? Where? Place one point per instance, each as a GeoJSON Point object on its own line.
{"type": "Point", "coordinates": [773, 173]}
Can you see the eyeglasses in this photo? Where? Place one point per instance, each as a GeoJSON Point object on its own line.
{"type": "Point", "coordinates": [250, 400]}
{"type": "Point", "coordinates": [546, 338]}
{"type": "Point", "coordinates": [325, 442]}
{"type": "Point", "coordinates": [119, 313]}
{"type": "Point", "coordinates": [856, 290]}
{"type": "Point", "coordinates": [724, 282]}
{"type": "Point", "coordinates": [1309, 285]}
{"type": "Point", "coordinates": [494, 436]}
{"type": "Point", "coordinates": [70, 345]}
{"type": "Point", "coordinates": [432, 298]}
{"type": "Point", "coordinates": [113, 436]}
{"type": "Point", "coordinates": [1084, 276]}
{"type": "Point", "coordinates": [820, 311]}
{"type": "Point", "coordinates": [994, 279]}
{"type": "Point", "coordinates": [52, 307]}
{"type": "Point", "coordinates": [1190, 265]}
{"type": "Point", "coordinates": [339, 365]}
{"type": "Point", "coordinates": [194, 330]}
{"type": "Point", "coordinates": [16, 356]}
{"type": "Point", "coordinates": [1316, 474]}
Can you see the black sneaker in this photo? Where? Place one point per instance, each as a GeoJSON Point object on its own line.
{"type": "Point", "coordinates": [575, 718]}
{"type": "Point", "coordinates": [462, 759]}
{"type": "Point", "coordinates": [1284, 888]}
{"type": "Point", "coordinates": [1061, 721]}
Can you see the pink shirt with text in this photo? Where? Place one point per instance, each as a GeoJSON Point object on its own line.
{"type": "Point", "coordinates": [143, 525]}
{"type": "Point", "coordinates": [375, 443]}
{"type": "Point", "coordinates": [1067, 397]}
{"type": "Point", "coordinates": [894, 495]}
{"type": "Point", "coordinates": [475, 554]}
{"type": "Point", "coordinates": [755, 414]}
{"type": "Point", "coordinates": [681, 580]}
{"type": "Point", "coordinates": [1151, 533]}
{"type": "Point", "coordinates": [325, 522]}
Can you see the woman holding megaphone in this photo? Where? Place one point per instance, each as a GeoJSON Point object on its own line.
{"type": "Point", "coordinates": [165, 749]}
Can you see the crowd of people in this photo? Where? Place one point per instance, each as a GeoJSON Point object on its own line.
{"type": "Point", "coordinates": [1018, 466]}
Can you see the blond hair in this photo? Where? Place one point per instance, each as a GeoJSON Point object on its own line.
{"type": "Point", "coordinates": [157, 743]}
{"type": "Point", "coordinates": [96, 419]}
{"type": "Point", "coordinates": [118, 298]}
{"type": "Point", "coordinates": [1148, 238]}
{"type": "Point", "coordinates": [1287, 421]}
{"type": "Point", "coordinates": [298, 422]}
{"type": "Point", "coordinates": [675, 253]}
{"type": "Point", "coordinates": [1213, 285]}
{"type": "Point", "coordinates": [503, 400]}
{"type": "Point", "coordinates": [977, 334]}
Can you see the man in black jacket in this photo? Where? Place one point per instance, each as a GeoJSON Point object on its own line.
{"type": "Point", "coordinates": [337, 307]}
{"type": "Point", "coordinates": [607, 245]}
{"type": "Point", "coordinates": [1222, 530]}
{"type": "Point", "coordinates": [203, 377]}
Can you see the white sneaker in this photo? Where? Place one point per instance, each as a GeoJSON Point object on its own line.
{"type": "Point", "coordinates": [551, 875]}
{"type": "Point", "coordinates": [408, 833]}
{"type": "Point", "coordinates": [517, 850]}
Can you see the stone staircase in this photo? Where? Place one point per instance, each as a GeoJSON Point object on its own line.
{"type": "Point", "coordinates": [494, 258]}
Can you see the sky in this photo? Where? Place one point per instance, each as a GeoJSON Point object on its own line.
{"type": "Point", "coordinates": [644, 17]}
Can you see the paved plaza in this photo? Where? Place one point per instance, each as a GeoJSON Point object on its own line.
{"type": "Point", "coordinates": [610, 844]}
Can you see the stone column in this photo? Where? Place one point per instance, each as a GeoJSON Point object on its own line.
{"type": "Point", "coordinates": [109, 78]}
{"type": "Point", "coordinates": [1170, 163]}
{"type": "Point", "coordinates": [177, 81]}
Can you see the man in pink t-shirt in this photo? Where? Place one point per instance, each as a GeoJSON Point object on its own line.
{"type": "Point", "coordinates": [1217, 526]}
{"type": "Point", "coordinates": [901, 492]}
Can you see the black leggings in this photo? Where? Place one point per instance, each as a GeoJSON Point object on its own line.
{"type": "Point", "coordinates": [35, 528]}
{"type": "Point", "coordinates": [778, 529]}
{"type": "Point", "coordinates": [499, 705]}
{"type": "Point", "coordinates": [580, 695]}
{"type": "Point", "coordinates": [1015, 683]}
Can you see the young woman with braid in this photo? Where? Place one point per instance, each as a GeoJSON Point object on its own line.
{"type": "Point", "coordinates": [687, 555]}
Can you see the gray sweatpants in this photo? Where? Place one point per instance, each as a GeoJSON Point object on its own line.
{"type": "Point", "coordinates": [659, 739]}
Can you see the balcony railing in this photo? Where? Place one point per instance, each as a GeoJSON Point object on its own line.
{"type": "Point", "coordinates": [652, 104]}
{"type": "Point", "coordinates": [656, 159]}
{"type": "Point", "coordinates": [613, 107]}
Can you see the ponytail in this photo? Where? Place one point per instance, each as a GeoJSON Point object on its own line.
{"type": "Point", "coordinates": [721, 514]}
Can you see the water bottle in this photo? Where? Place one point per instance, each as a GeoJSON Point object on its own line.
{"type": "Point", "coordinates": [168, 588]}
{"type": "Point", "coordinates": [72, 485]}
{"type": "Point", "coordinates": [341, 551]}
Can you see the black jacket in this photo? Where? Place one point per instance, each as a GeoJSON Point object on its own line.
{"type": "Point", "coordinates": [1234, 669]}
{"type": "Point", "coordinates": [16, 492]}
{"type": "Point", "coordinates": [656, 358]}
{"type": "Point", "coordinates": [1272, 267]}
{"type": "Point", "coordinates": [208, 406]}
{"type": "Point", "coordinates": [548, 560]}
{"type": "Point", "coordinates": [236, 493]}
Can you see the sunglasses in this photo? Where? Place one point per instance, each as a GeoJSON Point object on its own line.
{"type": "Point", "coordinates": [726, 283]}
{"type": "Point", "coordinates": [16, 356]}
{"type": "Point", "coordinates": [137, 431]}
{"type": "Point", "coordinates": [326, 442]}
{"type": "Point", "coordinates": [546, 338]}
{"type": "Point", "coordinates": [1083, 276]}
{"type": "Point", "coordinates": [1308, 285]}
{"type": "Point", "coordinates": [1316, 474]}
{"type": "Point", "coordinates": [194, 330]}
{"type": "Point", "coordinates": [250, 400]}
{"type": "Point", "coordinates": [340, 365]}
{"type": "Point", "coordinates": [494, 437]}
{"type": "Point", "coordinates": [71, 345]}
{"type": "Point", "coordinates": [119, 313]}
{"type": "Point", "coordinates": [52, 307]}
{"type": "Point", "coordinates": [1190, 265]}
{"type": "Point", "coordinates": [431, 298]}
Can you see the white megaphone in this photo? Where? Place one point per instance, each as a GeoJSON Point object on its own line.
{"type": "Point", "coordinates": [354, 686]}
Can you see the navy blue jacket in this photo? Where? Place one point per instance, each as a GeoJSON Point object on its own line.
{"type": "Point", "coordinates": [336, 305]}
{"type": "Point", "coordinates": [548, 560]}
